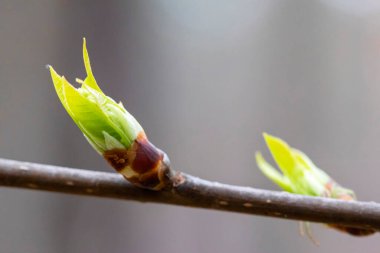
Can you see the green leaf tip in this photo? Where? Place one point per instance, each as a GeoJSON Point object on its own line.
{"type": "Point", "coordinates": [105, 124]}
{"type": "Point", "coordinates": [272, 173]}
{"type": "Point", "coordinates": [90, 79]}
{"type": "Point", "coordinates": [298, 174]}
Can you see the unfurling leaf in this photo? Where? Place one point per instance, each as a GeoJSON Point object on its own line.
{"type": "Point", "coordinates": [301, 176]}
{"type": "Point", "coordinates": [111, 130]}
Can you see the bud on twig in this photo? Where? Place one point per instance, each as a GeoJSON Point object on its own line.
{"type": "Point", "coordinates": [112, 131]}
{"type": "Point", "coordinates": [301, 176]}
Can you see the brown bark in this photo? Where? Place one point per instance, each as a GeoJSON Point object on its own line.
{"type": "Point", "coordinates": [192, 192]}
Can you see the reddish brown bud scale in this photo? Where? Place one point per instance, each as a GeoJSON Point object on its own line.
{"type": "Point", "coordinates": [351, 230]}
{"type": "Point", "coordinates": [142, 164]}
{"type": "Point", "coordinates": [118, 158]}
{"type": "Point", "coordinates": [147, 156]}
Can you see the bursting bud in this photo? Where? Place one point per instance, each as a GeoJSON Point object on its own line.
{"type": "Point", "coordinates": [111, 130]}
{"type": "Point", "coordinates": [301, 176]}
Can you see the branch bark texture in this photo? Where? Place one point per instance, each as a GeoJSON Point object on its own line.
{"type": "Point", "coordinates": [192, 192]}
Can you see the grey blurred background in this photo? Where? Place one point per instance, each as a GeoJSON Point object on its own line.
{"type": "Point", "coordinates": [205, 79]}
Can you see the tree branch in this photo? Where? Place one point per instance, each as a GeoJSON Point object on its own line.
{"type": "Point", "coordinates": [192, 192]}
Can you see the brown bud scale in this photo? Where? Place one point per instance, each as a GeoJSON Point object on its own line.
{"type": "Point", "coordinates": [142, 164]}
{"type": "Point", "coordinates": [351, 230]}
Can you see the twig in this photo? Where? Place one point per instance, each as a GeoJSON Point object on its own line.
{"type": "Point", "coordinates": [192, 192]}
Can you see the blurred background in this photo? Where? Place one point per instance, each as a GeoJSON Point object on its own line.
{"type": "Point", "coordinates": [205, 79]}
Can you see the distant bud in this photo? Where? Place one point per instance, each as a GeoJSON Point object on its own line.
{"type": "Point", "coordinates": [301, 176]}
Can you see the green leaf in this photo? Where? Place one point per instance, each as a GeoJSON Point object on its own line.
{"type": "Point", "coordinates": [105, 123]}
{"type": "Point", "coordinates": [272, 173]}
{"type": "Point", "coordinates": [300, 174]}
{"type": "Point", "coordinates": [283, 156]}
{"type": "Point", "coordinates": [90, 79]}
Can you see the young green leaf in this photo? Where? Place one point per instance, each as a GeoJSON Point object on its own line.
{"type": "Point", "coordinates": [301, 176]}
{"type": "Point", "coordinates": [111, 130]}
